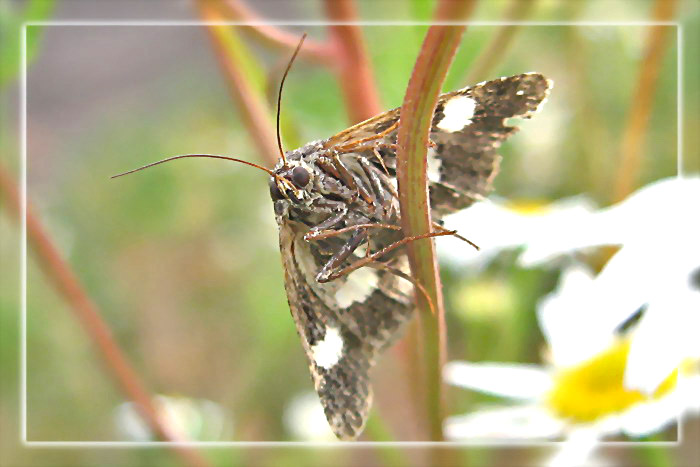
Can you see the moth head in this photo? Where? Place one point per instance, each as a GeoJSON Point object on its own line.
{"type": "Point", "coordinates": [292, 183]}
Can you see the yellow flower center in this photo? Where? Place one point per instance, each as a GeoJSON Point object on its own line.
{"type": "Point", "coordinates": [594, 389]}
{"type": "Point", "coordinates": [530, 207]}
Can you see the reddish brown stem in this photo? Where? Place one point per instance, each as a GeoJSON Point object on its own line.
{"type": "Point", "coordinates": [251, 103]}
{"type": "Point", "coordinates": [274, 36]}
{"type": "Point", "coordinates": [354, 66]}
{"type": "Point", "coordinates": [68, 285]}
{"type": "Point", "coordinates": [419, 103]}
{"type": "Point", "coordinates": [640, 110]}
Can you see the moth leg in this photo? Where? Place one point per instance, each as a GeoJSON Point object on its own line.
{"type": "Point", "coordinates": [332, 220]}
{"type": "Point", "coordinates": [402, 275]}
{"type": "Point", "coordinates": [334, 167]}
{"type": "Point", "coordinates": [321, 234]}
{"type": "Point", "coordinates": [375, 150]}
{"type": "Point", "coordinates": [378, 179]}
{"type": "Point", "coordinates": [345, 251]}
{"type": "Point", "coordinates": [384, 210]}
{"type": "Point", "coordinates": [353, 182]}
{"type": "Point", "coordinates": [329, 276]}
{"type": "Point", "coordinates": [441, 228]}
{"type": "Point", "coordinates": [386, 181]}
{"type": "Point", "coordinates": [386, 189]}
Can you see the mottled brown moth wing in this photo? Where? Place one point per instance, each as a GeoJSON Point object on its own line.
{"type": "Point", "coordinates": [343, 325]}
{"type": "Point", "coordinates": [469, 126]}
{"type": "Point", "coordinates": [349, 180]}
{"type": "Point", "coordinates": [369, 127]}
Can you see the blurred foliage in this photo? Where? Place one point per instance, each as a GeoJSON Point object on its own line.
{"type": "Point", "coordinates": [10, 21]}
{"type": "Point", "coordinates": [183, 259]}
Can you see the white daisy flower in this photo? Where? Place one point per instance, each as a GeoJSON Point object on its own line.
{"type": "Point", "coordinates": [495, 227]}
{"type": "Point", "coordinates": [305, 420]}
{"type": "Point", "coordinates": [547, 402]}
{"type": "Point", "coordinates": [597, 382]}
{"type": "Point", "coordinates": [583, 393]}
{"type": "Point", "coordinates": [657, 267]}
{"type": "Point", "coordinates": [194, 419]}
{"type": "Point", "coordinates": [581, 404]}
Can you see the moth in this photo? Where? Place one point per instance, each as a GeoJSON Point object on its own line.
{"type": "Point", "coordinates": [335, 201]}
{"type": "Point", "coordinates": [336, 204]}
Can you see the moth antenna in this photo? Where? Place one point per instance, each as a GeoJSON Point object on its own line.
{"type": "Point", "coordinates": [212, 156]}
{"type": "Point", "coordinates": [279, 96]}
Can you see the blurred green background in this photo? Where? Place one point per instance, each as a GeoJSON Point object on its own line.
{"type": "Point", "coordinates": [182, 260]}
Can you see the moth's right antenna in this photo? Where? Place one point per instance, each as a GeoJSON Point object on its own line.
{"type": "Point", "coordinates": [279, 96]}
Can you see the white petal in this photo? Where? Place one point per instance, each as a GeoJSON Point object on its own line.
{"type": "Point", "coordinates": [566, 228]}
{"type": "Point", "coordinates": [522, 422]}
{"type": "Point", "coordinates": [577, 448]}
{"type": "Point", "coordinates": [659, 205]}
{"type": "Point", "coordinates": [647, 214]}
{"type": "Point", "coordinates": [654, 416]}
{"type": "Point", "coordinates": [621, 288]}
{"type": "Point", "coordinates": [665, 337]}
{"type": "Point", "coordinates": [495, 227]}
{"type": "Point", "coordinates": [196, 419]}
{"type": "Point", "coordinates": [570, 322]}
{"type": "Point", "coordinates": [519, 381]}
{"type": "Point", "coordinates": [305, 420]}
{"type": "Point", "coordinates": [651, 417]}
{"type": "Point", "coordinates": [487, 224]}
{"type": "Point", "coordinates": [130, 424]}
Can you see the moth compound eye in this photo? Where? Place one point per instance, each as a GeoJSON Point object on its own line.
{"type": "Point", "coordinates": [300, 176]}
{"type": "Point", "coordinates": [275, 192]}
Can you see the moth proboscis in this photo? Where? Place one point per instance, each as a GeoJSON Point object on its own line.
{"type": "Point", "coordinates": [336, 204]}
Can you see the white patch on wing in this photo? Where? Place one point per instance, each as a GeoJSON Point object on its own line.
{"type": "Point", "coordinates": [458, 113]}
{"type": "Point", "coordinates": [434, 165]}
{"type": "Point", "coordinates": [328, 352]}
{"type": "Point", "coordinates": [358, 286]}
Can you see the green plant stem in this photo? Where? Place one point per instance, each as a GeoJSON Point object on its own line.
{"type": "Point", "coordinates": [249, 98]}
{"type": "Point", "coordinates": [429, 72]}
{"type": "Point", "coordinates": [87, 313]}
{"type": "Point", "coordinates": [274, 36]}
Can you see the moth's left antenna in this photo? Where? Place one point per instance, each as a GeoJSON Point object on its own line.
{"type": "Point", "coordinates": [211, 156]}
{"type": "Point", "coordinates": [279, 96]}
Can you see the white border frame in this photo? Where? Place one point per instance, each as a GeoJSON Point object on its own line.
{"type": "Point", "coordinates": [263, 444]}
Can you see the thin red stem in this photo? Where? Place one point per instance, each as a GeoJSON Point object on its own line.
{"type": "Point", "coordinates": [274, 36]}
{"type": "Point", "coordinates": [86, 311]}
{"type": "Point", "coordinates": [429, 72]}
{"type": "Point", "coordinates": [250, 102]}
{"type": "Point", "coordinates": [632, 148]}
{"type": "Point", "coordinates": [354, 66]}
